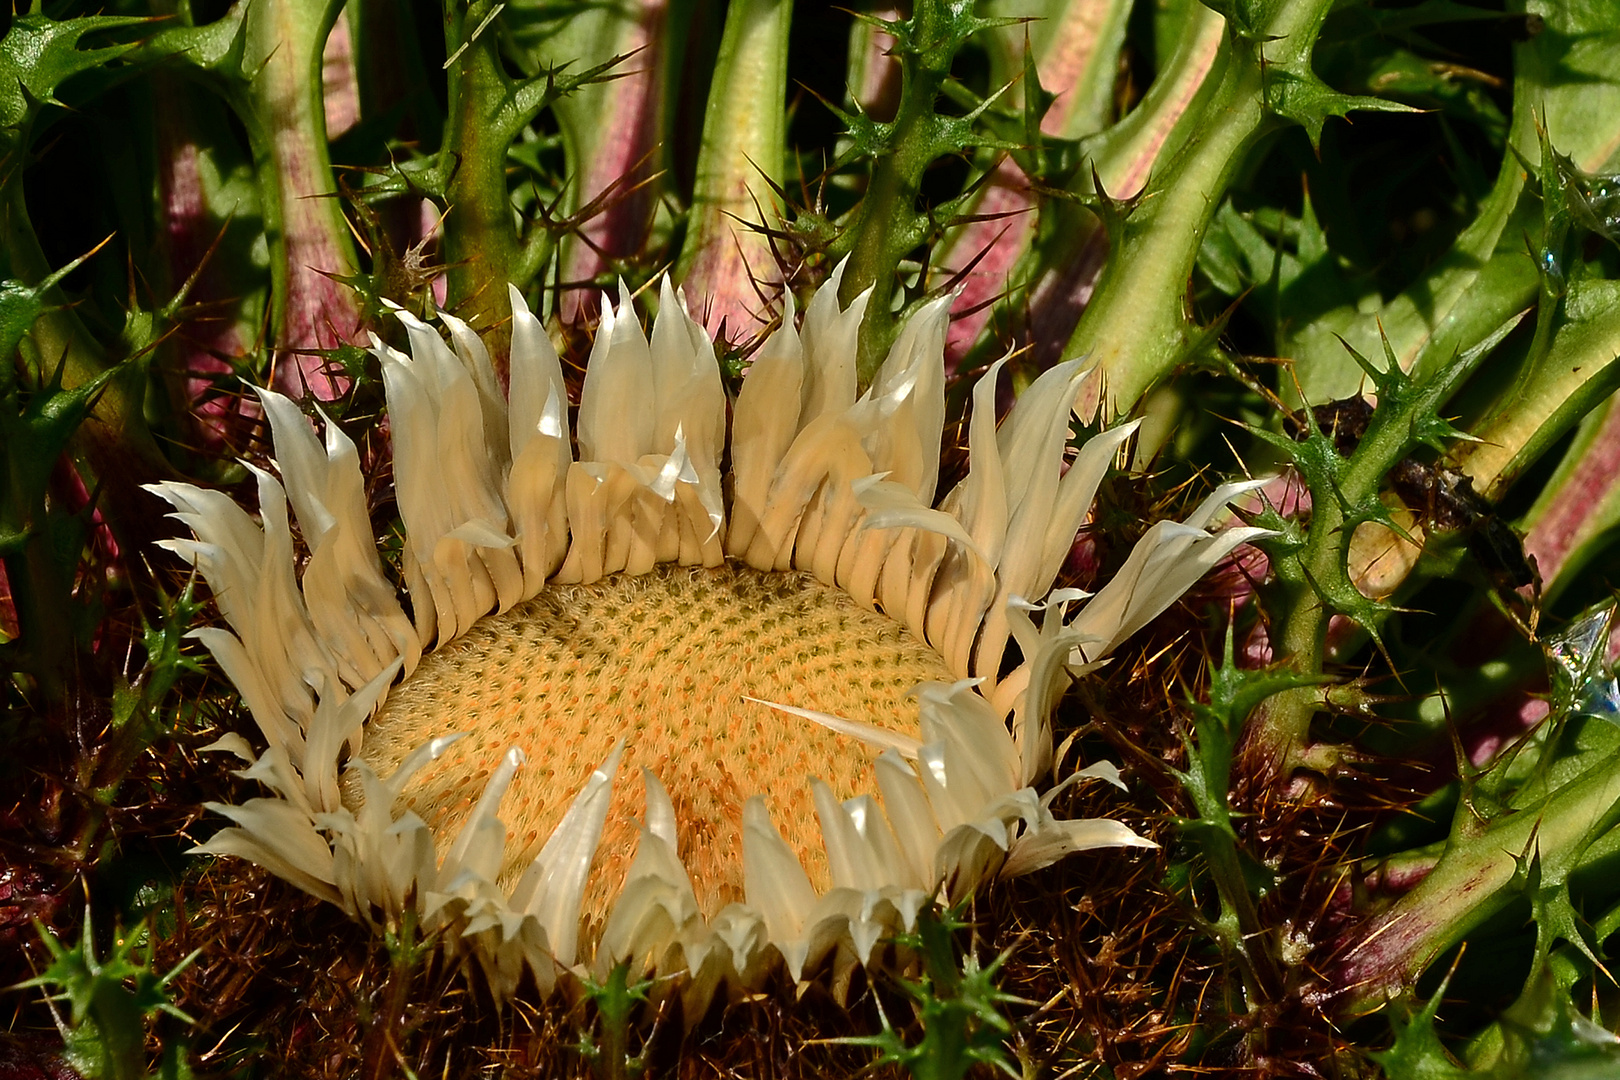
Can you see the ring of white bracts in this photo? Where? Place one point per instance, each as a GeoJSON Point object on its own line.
{"type": "Point", "coordinates": [496, 506]}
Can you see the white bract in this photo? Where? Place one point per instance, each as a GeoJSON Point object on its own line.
{"type": "Point", "coordinates": [497, 507]}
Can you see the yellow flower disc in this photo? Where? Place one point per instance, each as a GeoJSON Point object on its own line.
{"type": "Point", "coordinates": [665, 660]}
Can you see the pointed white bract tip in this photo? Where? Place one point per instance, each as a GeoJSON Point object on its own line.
{"type": "Point", "coordinates": [1106, 771]}
{"type": "Point", "coordinates": [407, 318]}
{"type": "Point", "coordinates": [231, 743]}
{"type": "Point", "coordinates": [438, 746]}
{"type": "Point", "coordinates": [660, 820]}
{"type": "Point", "coordinates": [610, 766]}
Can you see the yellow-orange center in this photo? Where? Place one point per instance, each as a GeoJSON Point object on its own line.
{"type": "Point", "coordinates": [664, 660]}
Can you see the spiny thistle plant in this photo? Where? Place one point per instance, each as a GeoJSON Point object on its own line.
{"type": "Point", "coordinates": [1054, 537]}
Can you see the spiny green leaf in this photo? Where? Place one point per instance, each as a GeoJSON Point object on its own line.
{"type": "Point", "coordinates": [1309, 101]}
{"type": "Point", "coordinates": [1571, 196]}
{"type": "Point", "coordinates": [959, 1007]}
{"type": "Point", "coordinates": [1315, 456]}
{"type": "Point", "coordinates": [1417, 1052]}
{"type": "Point", "coordinates": [89, 984]}
{"type": "Point", "coordinates": [1243, 17]}
{"type": "Point", "coordinates": [529, 98]}
{"type": "Point", "coordinates": [1557, 920]}
{"type": "Point", "coordinates": [20, 306]}
{"type": "Point", "coordinates": [218, 47]}
{"type": "Point", "coordinates": [868, 138]}
{"type": "Point", "coordinates": [38, 54]}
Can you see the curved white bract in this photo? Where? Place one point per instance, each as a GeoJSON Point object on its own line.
{"type": "Point", "coordinates": [496, 507]}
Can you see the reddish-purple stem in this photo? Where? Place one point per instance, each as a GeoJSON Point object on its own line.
{"type": "Point", "coordinates": [624, 155]}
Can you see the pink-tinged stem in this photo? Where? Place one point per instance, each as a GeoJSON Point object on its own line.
{"type": "Point", "coordinates": [1065, 61]}
{"type": "Point", "coordinates": [190, 227]}
{"type": "Point", "coordinates": [340, 88]}
{"type": "Point", "coordinates": [874, 73]}
{"type": "Point", "coordinates": [286, 39]}
{"type": "Point", "coordinates": [1126, 174]}
{"type": "Point", "coordinates": [1123, 164]}
{"type": "Point", "coordinates": [1580, 506]}
{"type": "Point", "coordinates": [994, 245]}
{"type": "Point", "coordinates": [1583, 503]}
{"type": "Point", "coordinates": [726, 264]}
{"type": "Point", "coordinates": [997, 244]}
{"type": "Point", "coordinates": [1472, 881]}
{"type": "Point", "coordinates": [617, 127]}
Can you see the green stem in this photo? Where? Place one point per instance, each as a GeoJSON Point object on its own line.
{"type": "Point", "coordinates": [1476, 878]}
{"type": "Point", "coordinates": [1315, 583]}
{"type": "Point", "coordinates": [388, 1026]}
{"type": "Point", "coordinates": [1240, 928]}
{"type": "Point", "coordinates": [481, 240]}
{"type": "Point", "coordinates": [888, 224]}
{"type": "Point", "coordinates": [877, 254]}
{"type": "Point", "coordinates": [121, 1032]}
{"type": "Point", "coordinates": [1577, 371]}
{"type": "Point", "coordinates": [616, 1001]}
{"type": "Point", "coordinates": [1050, 284]}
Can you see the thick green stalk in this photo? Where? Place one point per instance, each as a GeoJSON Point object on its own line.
{"type": "Point", "coordinates": [1480, 873]}
{"type": "Point", "coordinates": [726, 261]}
{"type": "Point", "coordinates": [488, 110]}
{"type": "Point", "coordinates": [888, 224]}
{"type": "Point", "coordinates": [879, 245]}
{"type": "Point", "coordinates": [1136, 327]}
{"type": "Point", "coordinates": [481, 239]}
